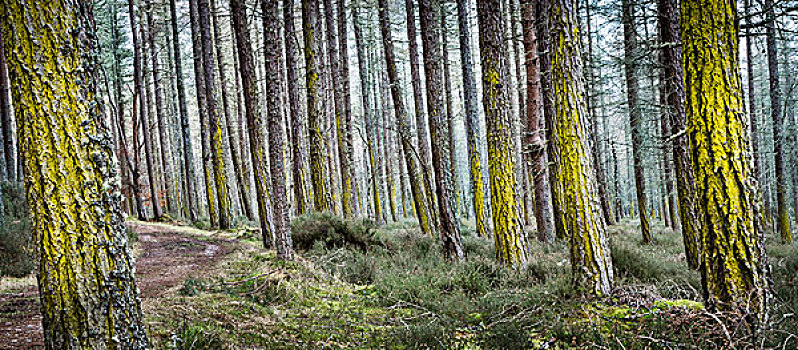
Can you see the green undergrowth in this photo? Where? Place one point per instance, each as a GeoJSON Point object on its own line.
{"type": "Point", "coordinates": [361, 286]}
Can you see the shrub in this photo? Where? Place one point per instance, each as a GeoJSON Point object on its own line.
{"type": "Point", "coordinates": [332, 231]}
{"type": "Point", "coordinates": [195, 337]}
{"type": "Point", "coordinates": [17, 251]}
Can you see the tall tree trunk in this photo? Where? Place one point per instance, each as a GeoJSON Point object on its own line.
{"type": "Point", "coordinates": [297, 153]}
{"type": "Point", "coordinates": [783, 222]}
{"type": "Point", "coordinates": [249, 85]}
{"type": "Point", "coordinates": [430, 18]}
{"type": "Point", "coordinates": [214, 121]}
{"type": "Point", "coordinates": [733, 272]}
{"type": "Point", "coordinates": [417, 178]}
{"type": "Point", "coordinates": [166, 157]}
{"type": "Point", "coordinates": [341, 127]}
{"type": "Point", "coordinates": [422, 130]}
{"type": "Point", "coordinates": [318, 158]}
{"type": "Point", "coordinates": [365, 88]}
{"type": "Point", "coordinates": [202, 108]}
{"type": "Point", "coordinates": [117, 120]}
{"type": "Point", "coordinates": [343, 57]}
{"type": "Point", "coordinates": [188, 150]}
{"type": "Point", "coordinates": [581, 219]}
{"type": "Point", "coordinates": [510, 241]}
{"type": "Point", "coordinates": [86, 276]}
{"type": "Point", "coordinates": [598, 160]}
{"type": "Point", "coordinates": [145, 130]}
{"type": "Point", "coordinates": [631, 54]}
{"type": "Point", "coordinates": [534, 138]}
{"type": "Point", "coordinates": [243, 195]}
{"type": "Point", "coordinates": [447, 84]}
{"type": "Point", "coordinates": [668, 11]}
{"type": "Point", "coordinates": [9, 155]}
{"type": "Point", "coordinates": [272, 40]}
{"type": "Point", "coordinates": [482, 214]}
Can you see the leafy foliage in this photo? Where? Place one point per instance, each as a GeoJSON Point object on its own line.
{"type": "Point", "coordinates": [17, 251]}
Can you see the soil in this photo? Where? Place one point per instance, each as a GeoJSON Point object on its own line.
{"type": "Point", "coordinates": [166, 258]}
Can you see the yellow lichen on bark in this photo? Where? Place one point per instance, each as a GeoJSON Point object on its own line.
{"type": "Point", "coordinates": [576, 194]}
{"type": "Point", "coordinates": [89, 299]}
{"type": "Point", "coordinates": [732, 256]}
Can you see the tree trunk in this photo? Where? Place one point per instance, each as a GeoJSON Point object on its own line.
{"type": "Point", "coordinates": [635, 113]}
{"type": "Point", "coordinates": [783, 222]}
{"type": "Point", "coordinates": [674, 85]}
{"type": "Point", "coordinates": [343, 44]}
{"type": "Point", "coordinates": [733, 272]}
{"type": "Point", "coordinates": [272, 40]}
{"type": "Point", "coordinates": [534, 138]}
{"type": "Point", "coordinates": [417, 178]}
{"type": "Point", "coordinates": [510, 241]}
{"type": "Point", "coordinates": [188, 150]}
{"type": "Point", "coordinates": [202, 108]}
{"type": "Point", "coordinates": [422, 130]}
{"type": "Point", "coordinates": [77, 220]}
{"type": "Point", "coordinates": [482, 214]}
{"type": "Point", "coordinates": [297, 154]}
{"type": "Point", "coordinates": [243, 193]}
{"type": "Point", "coordinates": [249, 85]}
{"type": "Point", "coordinates": [365, 88]}
{"type": "Point", "coordinates": [430, 17]}
{"type": "Point", "coordinates": [581, 218]}
{"type": "Point", "coordinates": [318, 157]}
{"type": "Point", "coordinates": [9, 156]}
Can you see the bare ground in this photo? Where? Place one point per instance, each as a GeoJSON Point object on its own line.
{"type": "Point", "coordinates": [166, 257]}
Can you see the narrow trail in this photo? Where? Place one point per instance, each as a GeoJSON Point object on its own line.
{"type": "Point", "coordinates": [166, 257]}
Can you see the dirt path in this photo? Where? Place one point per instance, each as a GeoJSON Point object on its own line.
{"type": "Point", "coordinates": [166, 258]}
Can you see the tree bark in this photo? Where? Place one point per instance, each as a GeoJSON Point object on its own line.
{"type": "Point", "coordinates": [9, 156]}
{"type": "Point", "coordinates": [733, 271]}
{"type": "Point", "coordinates": [430, 18]}
{"type": "Point", "coordinates": [510, 241]}
{"type": "Point", "coordinates": [297, 153]}
{"type": "Point", "coordinates": [249, 85]}
{"type": "Point", "coordinates": [417, 178]}
{"type": "Point", "coordinates": [635, 114]}
{"type": "Point", "coordinates": [86, 276]}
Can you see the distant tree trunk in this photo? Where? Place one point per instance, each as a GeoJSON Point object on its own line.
{"type": "Point", "coordinates": [249, 85]}
{"type": "Point", "coordinates": [447, 84]}
{"type": "Point", "coordinates": [365, 88]}
{"type": "Point", "coordinates": [188, 150]}
{"type": "Point", "coordinates": [202, 108]}
{"type": "Point", "coordinates": [86, 276]}
{"type": "Point", "coordinates": [343, 49]}
{"type": "Point", "coordinates": [297, 153]}
{"type": "Point", "coordinates": [341, 127]}
{"type": "Point", "coordinates": [243, 194]}
{"type": "Point", "coordinates": [384, 145]}
{"type": "Point", "coordinates": [318, 158]}
{"type": "Point", "coordinates": [282, 230]}
{"type": "Point", "coordinates": [543, 30]}
{"type": "Point", "coordinates": [136, 169]}
{"type": "Point", "coordinates": [417, 179]}
{"type": "Point", "coordinates": [140, 88]}
{"type": "Point", "coordinates": [10, 163]}
{"type": "Point", "coordinates": [733, 271]}
{"type": "Point", "coordinates": [482, 214]}
{"type": "Point", "coordinates": [166, 156]}
{"type": "Point", "coordinates": [418, 99]}
{"type": "Point", "coordinates": [430, 17]}
{"type": "Point", "coordinates": [510, 241]}
{"type": "Point", "coordinates": [581, 219]}
{"type": "Point", "coordinates": [668, 11]}
{"type": "Point", "coordinates": [214, 122]}
{"type": "Point", "coordinates": [783, 222]}
{"type": "Point", "coordinates": [635, 113]}
{"type": "Point", "coordinates": [117, 120]}
{"type": "Point", "coordinates": [534, 138]}
{"type": "Point", "coordinates": [598, 160]}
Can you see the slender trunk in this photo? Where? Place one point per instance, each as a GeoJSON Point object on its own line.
{"type": "Point", "coordinates": [482, 214]}
{"type": "Point", "coordinates": [417, 178]}
{"type": "Point", "coordinates": [188, 150]}
{"type": "Point", "coordinates": [9, 156]}
{"type": "Point", "coordinates": [297, 153]}
{"type": "Point", "coordinates": [86, 276]}
{"type": "Point", "coordinates": [534, 138]}
{"type": "Point", "coordinates": [434, 72]}
{"type": "Point", "coordinates": [783, 222]}
{"type": "Point", "coordinates": [343, 57]}
{"type": "Point", "coordinates": [635, 113]}
{"type": "Point", "coordinates": [246, 59]}
{"type": "Point", "coordinates": [272, 40]}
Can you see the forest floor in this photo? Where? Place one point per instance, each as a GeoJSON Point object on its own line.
{"type": "Point", "coordinates": [358, 285]}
